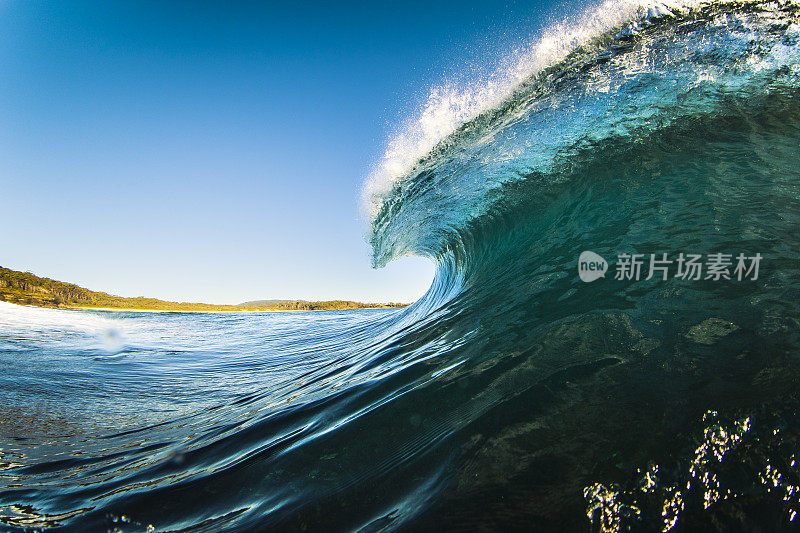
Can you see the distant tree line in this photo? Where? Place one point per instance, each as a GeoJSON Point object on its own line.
{"type": "Point", "coordinates": [29, 289]}
{"type": "Point", "coordinates": [300, 305]}
{"type": "Point", "coordinates": [24, 287]}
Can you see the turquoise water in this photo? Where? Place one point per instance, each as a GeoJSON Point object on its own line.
{"type": "Point", "coordinates": [511, 396]}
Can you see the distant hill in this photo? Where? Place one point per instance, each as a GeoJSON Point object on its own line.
{"type": "Point", "coordinates": [259, 303]}
{"type": "Point", "coordinates": [28, 289]}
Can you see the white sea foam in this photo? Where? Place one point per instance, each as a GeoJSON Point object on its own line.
{"type": "Point", "coordinates": [60, 326]}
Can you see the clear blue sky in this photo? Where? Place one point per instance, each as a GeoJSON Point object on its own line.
{"type": "Point", "coordinates": [202, 151]}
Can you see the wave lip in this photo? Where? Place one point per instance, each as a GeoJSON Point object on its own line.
{"type": "Point", "coordinates": [623, 71]}
{"type": "Point", "coordinates": [449, 106]}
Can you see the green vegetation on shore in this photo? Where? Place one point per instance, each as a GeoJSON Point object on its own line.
{"type": "Point", "coordinates": [27, 289]}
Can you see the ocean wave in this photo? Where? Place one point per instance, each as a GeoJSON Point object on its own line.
{"type": "Point", "coordinates": [623, 71]}
{"type": "Point", "coordinates": [512, 395]}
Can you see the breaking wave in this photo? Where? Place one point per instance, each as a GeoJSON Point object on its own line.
{"type": "Point", "coordinates": [512, 395]}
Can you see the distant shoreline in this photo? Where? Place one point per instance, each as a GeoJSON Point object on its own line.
{"type": "Point", "coordinates": [117, 309]}
{"type": "Point", "coordinates": [24, 288]}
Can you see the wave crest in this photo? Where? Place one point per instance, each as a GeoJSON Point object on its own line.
{"type": "Point", "coordinates": [449, 105]}
{"type": "Point", "coordinates": [622, 70]}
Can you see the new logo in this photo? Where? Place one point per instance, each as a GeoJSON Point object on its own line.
{"type": "Point", "coordinates": [591, 266]}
